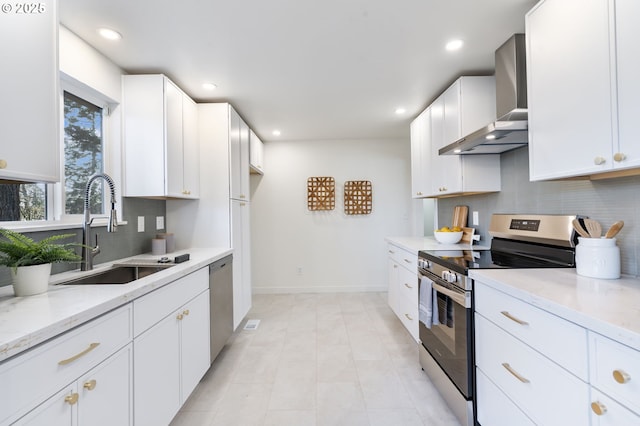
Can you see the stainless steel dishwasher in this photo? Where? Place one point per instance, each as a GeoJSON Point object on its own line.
{"type": "Point", "coordinates": [221, 307]}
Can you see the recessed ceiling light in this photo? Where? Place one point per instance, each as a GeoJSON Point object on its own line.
{"type": "Point", "coordinates": [276, 133]}
{"type": "Point", "coordinates": [457, 151]}
{"type": "Point", "coordinates": [109, 34]}
{"type": "Point", "coordinates": [209, 86]}
{"type": "Point", "coordinates": [490, 137]}
{"type": "Point", "coordinates": [454, 45]}
{"type": "Point", "coordinates": [400, 110]}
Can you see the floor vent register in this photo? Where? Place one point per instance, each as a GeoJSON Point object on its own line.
{"type": "Point", "coordinates": [252, 324]}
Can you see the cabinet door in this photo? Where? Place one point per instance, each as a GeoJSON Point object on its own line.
{"type": "Point", "coordinates": [420, 154]}
{"type": "Point", "coordinates": [451, 114]}
{"type": "Point", "coordinates": [628, 69]}
{"type": "Point", "coordinates": [607, 412]}
{"type": "Point", "coordinates": [173, 128]}
{"type": "Point", "coordinates": [106, 393]}
{"type": "Point", "coordinates": [59, 410]}
{"type": "Point", "coordinates": [156, 373]}
{"type": "Point", "coordinates": [241, 260]}
{"type": "Point", "coordinates": [190, 149]}
{"type": "Point", "coordinates": [238, 156]}
{"type": "Point", "coordinates": [29, 111]}
{"type": "Point", "coordinates": [194, 338]}
{"type": "Point", "coordinates": [256, 153]}
{"type": "Point", "coordinates": [392, 292]}
{"type": "Point", "coordinates": [569, 88]}
{"type": "Point", "coordinates": [445, 173]}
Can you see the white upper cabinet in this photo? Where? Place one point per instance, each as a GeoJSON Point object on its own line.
{"type": "Point", "coordinates": [160, 139]}
{"type": "Point", "coordinates": [582, 63]}
{"type": "Point", "coordinates": [29, 112]}
{"type": "Point", "coordinates": [467, 105]}
{"type": "Point", "coordinates": [628, 69]}
{"type": "Point", "coordinates": [256, 154]}
{"type": "Point", "coordinates": [238, 156]}
{"type": "Point", "coordinates": [420, 153]}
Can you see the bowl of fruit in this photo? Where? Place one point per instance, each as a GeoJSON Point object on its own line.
{"type": "Point", "coordinates": [446, 235]}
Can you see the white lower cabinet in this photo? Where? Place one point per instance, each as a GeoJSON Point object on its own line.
{"type": "Point", "coordinates": [102, 397]}
{"type": "Point", "coordinates": [543, 390]}
{"type": "Point", "coordinates": [533, 367]}
{"type": "Point", "coordinates": [52, 376]}
{"type": "Point", "coordinates": [403, 287]}
{"type": "Point", "coordinates": [494, 408]}
{"type": "Point", "coordinates": [172, 355]}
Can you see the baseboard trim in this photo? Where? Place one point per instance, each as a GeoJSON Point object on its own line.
{"type": "Point", "coordinates": [337, 289]}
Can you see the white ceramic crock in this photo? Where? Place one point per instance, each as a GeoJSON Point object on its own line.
{"type": "Point", "coordinates": [598, 258]}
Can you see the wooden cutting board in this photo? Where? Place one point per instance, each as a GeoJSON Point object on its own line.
{"type": "Point", "coordinates": [460, 214]}
{"type": "Point", "coordinates": [467, 235]}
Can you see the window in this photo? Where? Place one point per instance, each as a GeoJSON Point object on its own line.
{"type": "Point", "coordinates": [83, 153]}
{"type": "Point", "coordinates": [83, 149]}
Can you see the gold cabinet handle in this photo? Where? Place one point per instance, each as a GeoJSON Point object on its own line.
{"type": "Point", "coordinates": [179, 317]}
{"type": "Point", "coordinates": [408, 317]}
{"type": "Point", "coordinates": [407, 285]}
{"type": "Point", "coordinates": [407, 260]}
{"type": "Point", "coordinates": [242, 196]}
{"type": "Point", "coordinates": [3, 164]}
{"type": "Point", "coordinates": [391, 251]}
{"type": "Point", "coordinates": [90, 385]}
{"type": "Point", "coordinates": [599, 408]}
{"type": "Point", "coordinates": [91, 347]}
{"type": "Point", "coordinates": [514, 372]}
{"type": "Point", "coordinates": [512, 318]}
{"type": "Point", "coordinates": [621, 376]}
{"type": "Point", "coordinates": [71, 399]}
{"type": "Point", "coordinates": [395, 266]}
{"type": "Point", "coordinates": [185, 312]}
{"type": "Point", "coordinates": [619, 156]}
{"type": "Point", "coordinates": [599, 161]}
{"type": "Point", "coordinates": [418, 193]}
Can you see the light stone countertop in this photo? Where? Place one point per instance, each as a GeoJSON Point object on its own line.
{"type": "Point", "coordinates": [608, 307]}
{"type": "Point", "coordinates": [415, 244]}
{"type": "Point", "coordinates": [28, 321]}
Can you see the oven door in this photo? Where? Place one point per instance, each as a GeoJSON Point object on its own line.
{"type": "Point", "coordinates": [450, 341]}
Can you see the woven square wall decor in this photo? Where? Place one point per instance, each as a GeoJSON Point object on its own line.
{"type": "Point", "coordinates": [357, 197]}
{"type": "Point", "coordinates": [321, 193]}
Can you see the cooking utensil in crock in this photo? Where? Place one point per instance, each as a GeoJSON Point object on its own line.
{"type": "Point", "coordinates": [614, 229]}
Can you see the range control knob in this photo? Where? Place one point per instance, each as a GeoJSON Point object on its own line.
{"type": "Point", "coordinates": [449, 276]}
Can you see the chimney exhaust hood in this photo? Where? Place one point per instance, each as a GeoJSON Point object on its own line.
{"type": "Point", "coordinates": [510, 130]}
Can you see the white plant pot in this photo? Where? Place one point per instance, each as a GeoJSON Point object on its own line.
{"type": "Point", "coordinates": [30, 280]}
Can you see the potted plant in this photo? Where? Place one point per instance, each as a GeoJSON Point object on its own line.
{"type": "Point", "coordinates": [30, 261]}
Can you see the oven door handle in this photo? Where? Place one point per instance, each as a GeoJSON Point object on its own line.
{"type": "Point", "coordinates": [456, 297]}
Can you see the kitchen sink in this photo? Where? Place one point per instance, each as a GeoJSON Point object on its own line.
{"type": "Point", "coordinates": [118, 274]}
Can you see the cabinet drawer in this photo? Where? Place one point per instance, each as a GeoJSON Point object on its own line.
{"type": "Point", "coordinates": [408, 284]}
{"type": "Point", "coordinates": [408, 310]}
{"type": "Point", "coordinates": [547, 393]}
{"type": "Point", "coordinates": [404, 258]}
{"type": "Point", "coordinates": [31, 378]}
{"type": "Point", "coordinates": [615, 369]}
{"type": "Point", "coordinates": [150, 309]}
{"type": "Point", "coordinates": [556, 338]}
{"type": "Point", "coordinates": [608, 412]}
{"type": "Point", "coordinates": [494, 408]}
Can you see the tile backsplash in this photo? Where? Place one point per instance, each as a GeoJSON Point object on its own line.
{"type": "Point", "coordinates": [606, 200]}
{"type": "Point", "coordinates": [123, 243]}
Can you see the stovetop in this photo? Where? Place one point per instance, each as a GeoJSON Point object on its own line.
{"type": "Point", "coordinates": [519, 241]}
{"type": "Point", "coordinates": [503, 254]}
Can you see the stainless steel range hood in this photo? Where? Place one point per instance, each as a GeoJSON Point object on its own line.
{"type": "Point", "coordinates": [509, 131]}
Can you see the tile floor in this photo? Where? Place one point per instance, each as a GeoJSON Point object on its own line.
{"type": "Point", "coordinates": [318, 359]}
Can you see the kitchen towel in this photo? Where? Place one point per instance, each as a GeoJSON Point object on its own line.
{"type": "Point", "coordinates": [427, 304]}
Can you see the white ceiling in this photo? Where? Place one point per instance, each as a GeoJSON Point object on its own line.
{"type": "Point", "coordinates": [315, 69]}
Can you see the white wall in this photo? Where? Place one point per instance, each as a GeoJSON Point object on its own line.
{"type": "Point", "coordinates": [336, 252]}
{"type": "Point", "coordinates": [83, 66]}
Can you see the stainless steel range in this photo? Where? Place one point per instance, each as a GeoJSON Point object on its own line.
{"type": "Point", "coordinates": [446, 295]}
